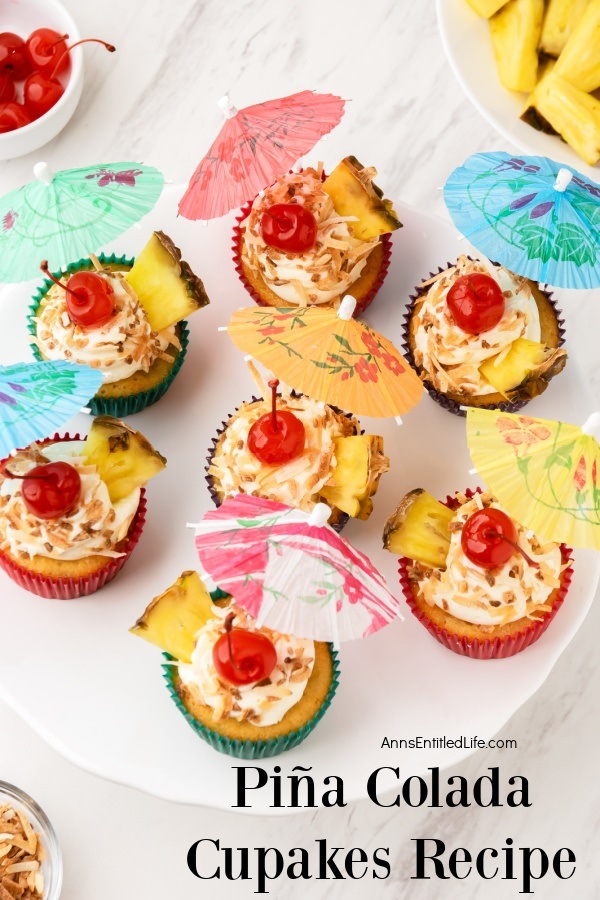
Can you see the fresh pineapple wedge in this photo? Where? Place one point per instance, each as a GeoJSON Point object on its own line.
{"type": "Point", "coordinates": [174, 617]}
{"type": "Point", "coordinates": [557, 107]}
{"type": "Point", "coordinates": [559, 22]}
{"type": "Point", "coordinates": [124, 458]}
{"type": "Point", "coordinates": [528, 365]}
{"type": "Point", "coordinates": [164, 284]}
{"type": "Point", "coordinates": [515, 32]}
{"type": "Point", "coordinates": [353, 192]}
{"type": "Point", "coordinates": [486, 8]}
{"type": "Point", "coordinates": [360, 463]}
{"type": "Point", "coordinates": [419, 529]}
{"type": "Point", "coordinates": [579, 62]}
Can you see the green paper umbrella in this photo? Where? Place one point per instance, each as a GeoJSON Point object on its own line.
{"type": "Point", "coordinates": [63, 216]}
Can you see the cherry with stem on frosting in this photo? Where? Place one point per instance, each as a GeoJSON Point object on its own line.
{"type": "Point", "coordinates": [13, 116]}
{"type": "Point", "coordinates": [14, 60]}
{"type": "Point", "coordinates": [489, 539]}
{"type": "Point", "coordinates": [278, 436]}
{"type": "Point", "coordinates": [50, 490]}
{"type": "Point", "coordinates": [241, 656]}
{"type": "Point", "coordinates": [476, 302]}
{"type": "Point", "coordinates": [90, 297]}
{"type": "Point", "coordinates": [289, 227]}
{"type": "Point", "coordinates": [44, 48]}
{"type": "Point", "coordinates": [42, 91]}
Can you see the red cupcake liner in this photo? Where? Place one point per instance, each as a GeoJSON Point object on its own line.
{"type": "Point", "coordinates": [71, 588]}
{"type": "Point", "coordinates": [488, 648]}
{"type": "Point", "coordinates": [441, 399]}
{"type": "Point", "coordinates": [362, 304]}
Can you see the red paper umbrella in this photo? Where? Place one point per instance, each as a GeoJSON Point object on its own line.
{"type": "Point", "coordinates": [254, 147]}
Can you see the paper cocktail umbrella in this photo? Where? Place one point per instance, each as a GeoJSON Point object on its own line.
{"type": "Point", "coordinates": [65, 215]}
{"type": "Point", "coordinates": [37, 398]}
{"type": "Point", "coordinates": [537, 218]}
{"type": "Point", "coordinates": [329, 356]}
{"type": "Point", "coordinates": [291, 571]}
{"type": "Point", "coordinates": [255, 146]}
{"type": "Point", "coordinates": [544, 473]}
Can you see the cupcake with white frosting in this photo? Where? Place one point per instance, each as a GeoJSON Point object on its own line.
{"type": "Point", "coordinates": [479, 335]}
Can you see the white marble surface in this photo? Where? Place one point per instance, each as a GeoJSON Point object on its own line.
{"type": "Point", "coordinates": [153, 101]}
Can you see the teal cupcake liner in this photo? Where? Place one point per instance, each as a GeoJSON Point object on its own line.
{"type": "Point", "coordinates": [251, 749]}
{"type": "Point", "coordinates": [119, 407]}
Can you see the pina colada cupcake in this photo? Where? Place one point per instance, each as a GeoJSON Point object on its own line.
{"type": "Point", "coordinates": [479, 582]}
{"type": "Point", "coordinates": [479, 335]}
{"type": "Point", "coordinates": [123, 317]}
{"type": "Point", "coordinates": [72, 510]}
{"type": "Point", "coordinates": [317, 454]}
{"type": "Point", "coordinates": [309, 240]}
{"type": "Point", "coordinates": [247, 691]}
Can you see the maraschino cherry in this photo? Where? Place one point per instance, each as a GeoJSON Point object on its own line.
{"type": "Point", "coordinates": [42, 91]}
{"type": "Point", "coordinates": [278, 436]}
{"type": "Point", "coordinates": [289, 227]}
{"type": "Point", "coordinates": [44, 48]}
{"type": "Point", "coordinates": [51, 490]}
{"type": "Point", "coordinates": [13, 116]}
{"type": "Point", "coordinates": [489, 539]}
{"type": "Point", "coordinates": [243, 657]}
{"type": "Point", "coordinates": [90, 297]}
{"type": "Point", "coordinates": [14, 60]}
{"type": "Point", "coordinates": [476, 302]}
{"type": "Point", "coordinates": [8, 91]}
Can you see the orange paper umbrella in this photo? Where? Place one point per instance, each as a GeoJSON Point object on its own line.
{"type": "Point", "coordinates": [329, 356]}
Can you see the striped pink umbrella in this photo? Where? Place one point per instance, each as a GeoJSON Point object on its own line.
{"type": "Point", "coordinates": [291, 571]}
{"type": "Point", "coordinates": [254, 147]}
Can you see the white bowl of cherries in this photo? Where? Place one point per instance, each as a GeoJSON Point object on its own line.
{"type": "Point", "coordinates": [41, 74]}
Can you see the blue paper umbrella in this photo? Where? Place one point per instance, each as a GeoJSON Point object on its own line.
{"type": "Point", "coordinates": [539, 219]}
{"type": "Point", "coordinates": [37, 398]}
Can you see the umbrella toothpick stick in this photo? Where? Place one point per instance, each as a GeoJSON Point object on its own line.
{"type": "Point", "coordinates": [319, 515]}
{"type": "Point", "coordinates": [592, 426]}
{"type": "Point", "coordinates": [563, 180]}
{"type": "Point", "coordinates": [43, 173]}
{"type": "Point", "coordinates": [347, 307]}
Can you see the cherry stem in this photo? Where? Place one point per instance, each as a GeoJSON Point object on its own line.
{"type": "Point", "coordinates": [228, 625]}
{"type": "Point", "coordinates": [46, 270]}
{"type": "Point", "coordinates": [63, 37]}
{"type": "Point", "coordinates": [274, 384]}
{"type": "Point", "coordinates": [526, 556]}
{"type": "Point", "coordinates": [109, 47]}
{"type": "Point", "coordinates": [8, 474]}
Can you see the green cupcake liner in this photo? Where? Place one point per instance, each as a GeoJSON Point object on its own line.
{"type": "Point", "coordinates": [251, 749]}
{"type": "Point", "coordinates": [119, 407]}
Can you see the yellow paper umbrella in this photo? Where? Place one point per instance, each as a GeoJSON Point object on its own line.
{"type": "Point", "coordinates": [544, 473]}
{"type": "Point", "coordinates": [329, 356]}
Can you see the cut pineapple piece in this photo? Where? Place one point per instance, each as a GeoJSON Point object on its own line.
{"type": "Point", "coordinates": [360, 463]}
{"type": "Point", "coordinates": [579, 62]}
{"type": "Point", "coordinates": [525, 371]}
{"type": "Point", "coordinates": [486, 8]}
{"type": "Point", "coordinates": [174, 617]}
{"type": "Point", "coordinates": [353, 192]}
{"type": "Point", "coordinates": [515, 32]}
{"type": "Point", "coordinates": [557, 107]}
{"type": "Point", "coordinates": [124, 458]}
{"type": "Point", "coordinates": [419, 529]}
{"type": "Point", "coordinates": [164, 284]}
{"type": "Point", "coordinates": [559, 21]}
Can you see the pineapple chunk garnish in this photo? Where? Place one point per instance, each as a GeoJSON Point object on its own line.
{"type": "Point", "coordinates": [353, 192]}
{"type": "Point", "coordinates": [360, 463]}
{"type": "Point", "coordinates": [521, 360]}
{"type": "Point", "coordinates": [559, 22]}
{"type": "Point", "coordinates": [579, 62]}
{"type": "Point", "coordinates": [486, 8]}
{"type": "Point", "coordinates": [164, 284]}
{"type": "Point", "coordinates": [557, 107]}
{"type": "Point", "coordinates": [419, 529]}
{"type": "Point", "coordinates": [515, 32]}
{"type": "Point", "coordinates": [172, 619]}
{"type": "Point", "coordinates": [124, 458]}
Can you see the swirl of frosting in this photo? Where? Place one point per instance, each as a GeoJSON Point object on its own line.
{"type": "Point", "coordinates": [451, 357]}
{"type": "Point", "coordinates": [513, 591]}
{"type": "Point", "coordinates": [124, 345]}
{"type": "Point", "coordinates": [318, 275]}
{"type": "Point", "coordinates": [95, 527]}
{"type": "Point", "coordinates": [263, 703]}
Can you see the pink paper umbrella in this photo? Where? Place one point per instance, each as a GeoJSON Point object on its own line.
{"type": "Point", "coordinates": [254, 147]}
{"type": "Point", "coordinates": [291, 571]}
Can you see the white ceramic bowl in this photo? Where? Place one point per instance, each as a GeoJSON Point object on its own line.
{"type": "Point", "coordinates": [23, 17]}
{"type": "Point", "coordinates": [468, 46]}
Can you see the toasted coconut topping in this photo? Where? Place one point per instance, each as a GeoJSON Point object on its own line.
{"type": "Point", "coordinates": [449, 357]}
{"type": "Point", "coordinates": [262, 703]}
{"type": "Point", "coordinates": [321, 274]}
{"type": "Point", "coordinates": [21, 856]}
{"type": "Point", "coordinates": [486, 597]}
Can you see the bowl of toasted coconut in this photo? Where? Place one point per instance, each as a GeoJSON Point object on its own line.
{"type": "Point", "coordinates": [30, 856]}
